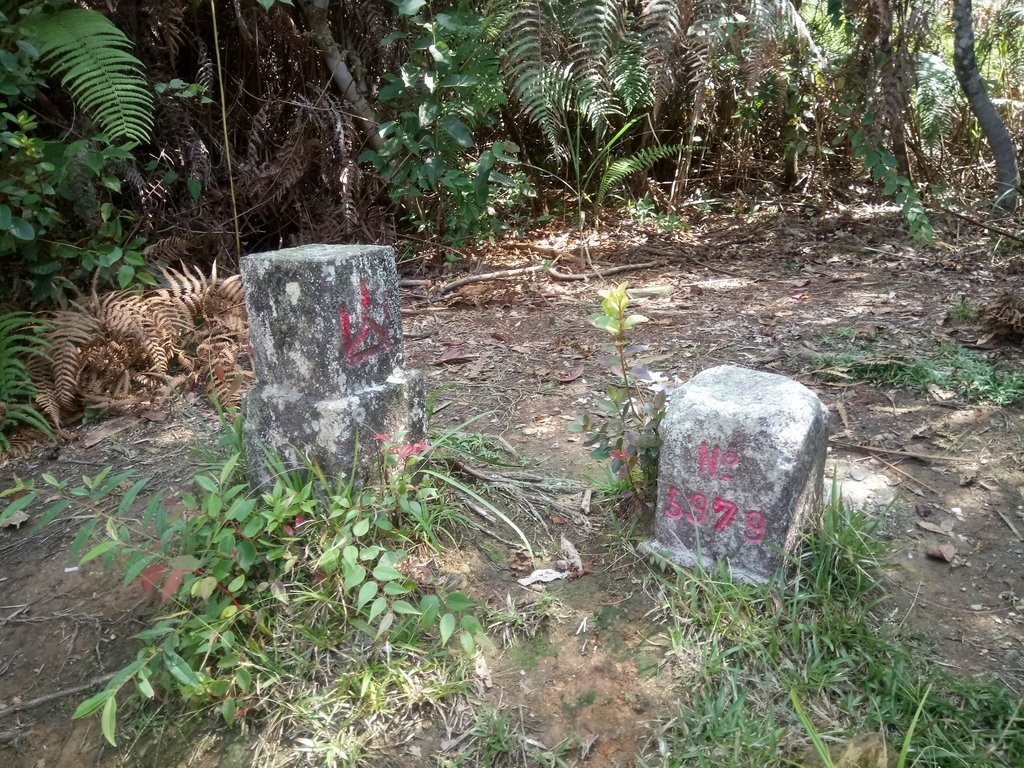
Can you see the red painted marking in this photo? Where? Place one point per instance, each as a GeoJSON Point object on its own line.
{"type": "Point", "coordinates": [698, 504]}
{"type": "Point", "coordinates": [674, 511]}
{"type": "Point", "coordinates": [755, 527]}
{"type": "Point", "coordinates": [726, 510]}
{"type": "Point", "coordinates": [355, 350]}
{"type": "Point", "coordinates": [709, 458]}
{"type": "Point", "coordinates": [754, 530]}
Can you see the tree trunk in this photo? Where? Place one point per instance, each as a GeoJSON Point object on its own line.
{"type": "Point", "coordinates": [965, 64]}
{"type": "Point", "coordinates": [315, 14]}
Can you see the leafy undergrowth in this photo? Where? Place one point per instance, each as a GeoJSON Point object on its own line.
{"type": "Point", "coordinates": [950, 368]}
{"type": "Point", "coordinates": [304, 608]}
{"type": "Point", "coordinates": [754, 655]}
{"type": "Point", "coordinates": [303, 613]}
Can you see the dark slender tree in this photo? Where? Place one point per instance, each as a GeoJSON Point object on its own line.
{"type": "Point", "coordinates": [965, 64]}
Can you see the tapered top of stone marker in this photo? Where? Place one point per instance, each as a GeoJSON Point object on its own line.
{"type": "Point", "coordinates": [324, 319]}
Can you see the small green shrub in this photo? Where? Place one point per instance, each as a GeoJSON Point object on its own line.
{"type": "Point", "coordinates": [60, 219]}
{"type": "Point", "coordinates": [626, 432]}
{"type": "Point", "coordinates": [448, 90]}
{"type": "Point", "coordinates": [241, 573]}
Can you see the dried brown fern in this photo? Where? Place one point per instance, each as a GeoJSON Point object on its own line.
{"type": "Point", "coordinates": [119, 350]}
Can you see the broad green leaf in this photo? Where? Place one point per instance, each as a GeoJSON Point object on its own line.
{"type": "Point", "coordinates": [366, 593]}
{"type": "Point", "coordinates": [236, 583]}
{"type": "Point", "coordinates": [228, 708]}
{"type": "Point", "coordinates": [404, 607]}
{"type": "Point", "coordinates": [125, 275]}
{"type": "Point", "coordinates": [205, 587]}
{"type": "Point", "coordinates": [466, 641]}
{"type": "Point", "coordinates": [207, 483]}
{"type": "Point", "coordinates": [446, 627]}
{"type": "Point", "coordinates": [361, 528]}
{"type": "Point", "coordinates": [108, 720]}
{"type": "Point", "coordinates": [384, 572]}
{"type": "Point", "coordinates": [244, 679]}
{"type": "Point", "coordinates": [184, 563]}
{"type": "Point", "coordinates": [377, 608]}
{"type": "Point", "coordinates": [246, 554]}
{"type": "Point", "coordinates": [409, 7]}
{"type": "Point", "coordinates": [458, 131]}
{"type": "Point", "coordinates": [385, 625]}
{"type": "Point", "coordinates": [457, 602]}
{"type": "Point", "coordinates": [21, 229]}
{"type": "Point", "coordinates": [179, 668]}
{"type": "Point", "coordinates": [100, 549]}
{"type": "Point", "coordinates": [145, 687]}
{"type": "Point", "coordinates": [633, 320]}
{"type": "Point", "coordinates": [393, 588]}
{"type": "Point", "coordinates": [93, 703]}
{"type": "Point", "coordinates": [354, 575]}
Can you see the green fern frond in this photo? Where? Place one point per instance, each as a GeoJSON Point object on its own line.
{"type": "Point", "coordinates": [780, 19]}
{"type": "Point", "coordinates": [21, 340]}
{"type": "Point", "coordinates": [598, 24]}
{"type": "Point", "coordinates": [92, 57]}
{"type": "Point", "coordinates": [629, 75]}
{"type": "Point", "coordinates": [627, 166]}
{"type": "Point", "coordinates": [536, 83]}
{"type": "Point", "coordinates": [936, 99]}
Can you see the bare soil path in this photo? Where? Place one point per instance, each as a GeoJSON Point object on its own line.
{"type": "Point", "coordinates": [775, 292]}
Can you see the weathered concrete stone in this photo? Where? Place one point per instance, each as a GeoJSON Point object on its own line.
{"type": "Point", "coordinates": [741, 470]}
{"type": "Point", "coordinates": [328, 356]}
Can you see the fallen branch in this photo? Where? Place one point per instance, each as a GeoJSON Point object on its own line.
{"type": "Point", "coordinates": [32, 703]}
{"type": "Point", "coordinates": [499, 274]}
{"type": "Point", "coordinates": [1010, 524]}
{"type": "Point", "coordinates": [908, 454]}
{"type": "Point", "coordinates": [448, 288]}
{"type": "Point", "coordinates": [983, 224]}
{"type": "Point", "coordinates": [603, 272]}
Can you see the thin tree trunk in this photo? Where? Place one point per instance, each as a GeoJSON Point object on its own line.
{"type": "Point", "coordinates": [965, 64]}
{"type": "Point", "coordinates": [315, 14]}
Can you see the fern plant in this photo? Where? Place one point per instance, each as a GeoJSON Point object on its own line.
{"type": "Point", "coordinates": [21, 342]}
{"type": "Point", "coordinates": [937, 99]}
{"type": "Point", "coordinates": [93, 59]}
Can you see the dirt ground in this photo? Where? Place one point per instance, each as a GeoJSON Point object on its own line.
{"type": "Point", "coordinates": [771, 293]}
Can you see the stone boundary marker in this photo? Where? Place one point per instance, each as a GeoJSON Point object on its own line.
{"type": "Point", "coordinates": [741, 471]}
{"type": "Point", "coordinates": [328, 356]}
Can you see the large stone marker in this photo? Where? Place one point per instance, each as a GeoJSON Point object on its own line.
{"type": "Point", "coordinates": [327, 353]}
{"type": "Point", "coordinates": [741, 469]}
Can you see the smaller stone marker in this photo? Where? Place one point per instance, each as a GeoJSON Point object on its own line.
{"type": "Point", "coordinates": [328, 356]}
{"type": "Point", "coordinates": [741, 470]}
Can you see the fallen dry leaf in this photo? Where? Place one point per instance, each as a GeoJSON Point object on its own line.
{"type": "Point", "coordinates": [108, 428]}
{"type": "Point", "coordinates": [16, 520]}
{"type": "Point", "coordinates": [943, 530]}
{"type": "Point", "coordinates": [944, 552]}
{"type": "Point", "coordinates": [543, 575]}
{"type": "Point", "coordinates": [453, 354]}
{"type": "Point", "coordinates": [572, 375]}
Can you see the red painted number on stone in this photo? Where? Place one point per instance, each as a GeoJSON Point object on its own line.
{"type": "Point", "coordinates": [674, 511]}
{"type": "Point", "coordinates": [708, 460]}
{"type": "Point", "coordinates": [726, 511]}
{"type": "Point", "coordinates": [355, 351]}
{"type": "Point", "coordinates": [698, 507]}
{"type": "Point", "coordinates": [755, 527]}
